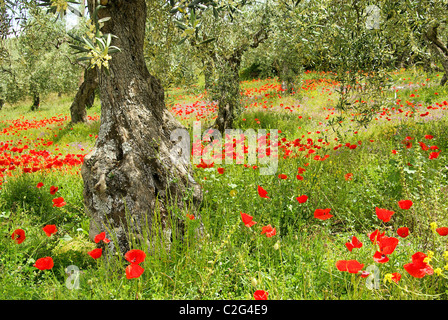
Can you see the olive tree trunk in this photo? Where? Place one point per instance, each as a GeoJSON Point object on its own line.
{"type": "Point", "coordinates": [83, 98]}
{"type": "Point", "coordinates": [36, 101]}
{"type": "Point", "coordinates": [438, 47]}
{"type": "Point", "coordinates": [131, 174]}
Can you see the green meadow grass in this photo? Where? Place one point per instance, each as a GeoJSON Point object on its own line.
{"type": "Point", "coordinates": [231, 261]}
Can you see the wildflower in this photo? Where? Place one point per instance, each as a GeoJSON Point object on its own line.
{"type": "Point", "coordinates": [388, 277]}
{"type": "Point", "coordinates": [40, 185]}
{"type": "Point", "coordinates": [44, 263]}
{"type": "Point", "coordinates": [348, 176]}
{"type": "Point", "coordinates": [302, 199]}
{"type": "Point", "coordinates": [438, 271]}
{"type": "Point", "coordinates": [220, 170]}
{"type": "Point", "coordinates": [261, 295]}
{"type": "Point", "coordinates": [351, 266]}
{"type": "Point", "coordinates": [392, 277]}
{"type": "Point", "coordinates": [384, 214]}
{"type": "Point", "coordinates": [269, 231]}
{"type": "Point", "coordinates": [434, 155]}
{"type": "Point", "coordinates": [262, 193]}
{"type": "Point", "coordinates": [133, 271]}
{"type": "Point", "coordinates": [433, 226]}
{"type": "Point", "coordinates": [405, 204]}
{"type": "Point", "coordinates": [247, 220]}
{"type": "Point", "coordinates": [322, 214]}
{"type": "Point", "coordinates": [101, 237]}
{"type": "Point", "coordinates": [50, 229]}
{"type": "Point", "coordinates": [135, 256]}
{"type": "Point", "coordinates": [53, 189]}
{"type": "Point", "coordinates": [354, 244]}
{"type": "Point", "coordinates": [418, 268]}
{"type": "Point", "coordinates": [376, 236]}
{"type": "Point", "coordinates": [96, 253]}
{"type": "Point", "coordinates": [403, 232]}
{"type": "Point", "coordinates": [18, 236]}
{"type": "Point", "coordinates": [59, 202]}
{"type": "Point", "coordinates": [283, 176]}
{"type": "Point", "coordinates": [443, 231]}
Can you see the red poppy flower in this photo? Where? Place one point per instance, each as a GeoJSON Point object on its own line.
{"type": "Point", "coordinates": [434, 155]}
{"type": "Point", "coordinates": [44, 263]}
{"type": "Point", "coordinates": [302, 199]}
{"type": "Point", "coordinates": [101, 237]}
{"type": "Point", "coordinates": [53, 189]}
{"type": "Point", "coordinates": [262, 193]}
{"type": "Point", "coordinates": [299, 177]}
{"type": "Point", "coordinates": [190, 216]}
{"type": "Point", "coordinates": [384, 214]}
{"type": "Point", "coordinates": [96, 253]}
{"type": "Point", "coordinates": [380, 257]}
{"type": "Point", "coordinates": [418, 268]}
{"type": "Point", "coordinates": [247, 220]}
{"type": "Point", "coordinates": [354, 244]}
{"type": "Point", "coordinates": [443, 231]}
{"type": "Point", "coordinates": [396, 277]}
{"type": "Point", "coordinates": [269, 231]}
{"type": "Point", "coordinates": [351, 266]}
{"type": "Point", "coordinates": [405, 204]}
{"type": "Point", "coordinates": [135, 256]}
{"type": "Point", "coordinates": [388, 244]}
{"type": "Point", "coordinates": [40, 185]}
{"type": "Point", "coordinates": [261, 295]}
{"type": "Point", "coordinates": [348, 176]}
{"type": "Point", "coordinates": [220, 170]}
{"type": "Point", "coordinates": [18, 236]}
{"type": "Point", "coordinates": [59, 202]}
{"type": "Point", "coordinates": [134, 271]}
{"type": "Point", "coordinates": [376, 236]}
{"type": "Point", "coordinates": [364, 274]}
{"type": "Point", "coordinates": [283, 176]}
{"type": "Point", "coordinates": [50, 229]}
{"type": "Point", "coordinates": [322, 214]}
{"type": "Point", "coordinates": [429, 137]}
{"type": "Point", "coordinates": [403, 232]}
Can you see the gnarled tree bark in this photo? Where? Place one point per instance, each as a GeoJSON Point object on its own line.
{"type": "Point", "coordinates": [228, 86]}
{"type": "Point", "coordinates": [438, 47]}
{"type": "Point", "coordinates": [84, 96]}
{"type": "Point", "coordinates": [131, 174]}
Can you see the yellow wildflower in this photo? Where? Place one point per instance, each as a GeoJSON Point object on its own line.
{"type": "Point", "coordinates": [433, 226]}
{"type": "Point", "coordinates": [388, 277]}
{"type": "Point", "coordinates": [438, 271]}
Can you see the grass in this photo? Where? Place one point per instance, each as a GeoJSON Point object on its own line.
{"type": "Point", "coordinates": [231, 261]}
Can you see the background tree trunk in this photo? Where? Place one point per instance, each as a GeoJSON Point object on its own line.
{"type": "Point", "coordinates": [83, 98]}
{"type": "Point", "coordinates": [438, 47]}
{"type": "Point", "coordinates": [36, 101]}
{"type": "Point", "coordinates": [228, 97]}
{"type": "Point", "coordinates": [131, 174]}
